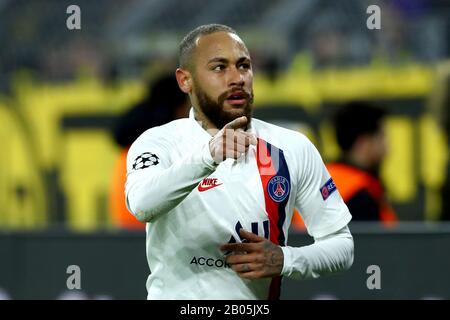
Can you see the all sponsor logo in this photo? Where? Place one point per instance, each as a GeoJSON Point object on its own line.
{"type": "Point", "coordinates": [209, 262]}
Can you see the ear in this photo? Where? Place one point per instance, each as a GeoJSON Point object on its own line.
{"type": "Point", "coordinates": [184, 79]}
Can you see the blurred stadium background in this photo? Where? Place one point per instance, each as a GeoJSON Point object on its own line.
{"type": "Point", "coordinates": [62, 90]}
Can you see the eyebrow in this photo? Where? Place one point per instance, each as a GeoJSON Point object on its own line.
{"type": "Point", "coordinates": [224, 60]}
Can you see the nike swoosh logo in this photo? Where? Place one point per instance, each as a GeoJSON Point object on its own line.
{"type": "Point", "coordinates": [201, 188]}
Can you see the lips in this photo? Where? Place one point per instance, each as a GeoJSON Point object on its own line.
{"type": "Point", "coordinates": [237, 98]}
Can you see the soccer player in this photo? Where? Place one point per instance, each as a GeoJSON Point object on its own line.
{"type": "Point", "coordinates": [218, 189]}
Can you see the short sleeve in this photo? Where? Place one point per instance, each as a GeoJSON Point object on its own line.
{"type": "Point", "coordinates": [318, 200]}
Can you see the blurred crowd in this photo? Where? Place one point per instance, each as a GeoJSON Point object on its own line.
{"type": "Point", "coordinates": [375, 102]}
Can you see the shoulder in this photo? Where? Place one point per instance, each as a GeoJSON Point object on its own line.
{"type": "Point", "coordinates": [162, 134]}
{"type": "Point", "coordinates": [283, 138]}
{"type": "Point", "coordinates": [159, 140]}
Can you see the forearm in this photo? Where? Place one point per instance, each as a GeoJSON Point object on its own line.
{"type": "Point", "coordinates": [154, 193]}
{"type": "Point", "coordinates": [330, 254]}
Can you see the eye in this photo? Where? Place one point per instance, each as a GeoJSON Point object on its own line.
{"type": "Point", "coordinates": [245, 66]}
{"type": "Point", "coordinates": [219, 67]}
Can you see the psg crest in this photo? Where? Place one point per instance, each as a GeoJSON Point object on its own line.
{"type": "Point", "coordinates": [278, 188]}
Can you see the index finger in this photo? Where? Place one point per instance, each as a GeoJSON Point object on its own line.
{"type": "Point", "coordinates": [250, 236]}
{"type": "Point", "coordinates": [237, 123]}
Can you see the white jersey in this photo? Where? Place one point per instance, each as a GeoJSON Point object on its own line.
{"type": "Point", "coordinates": [193, 205]}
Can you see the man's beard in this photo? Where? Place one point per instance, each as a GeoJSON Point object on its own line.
{"type": "Point", "coordinates": [214, 110]}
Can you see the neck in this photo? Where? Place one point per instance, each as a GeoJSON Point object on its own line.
{"type": "Point", "coordinates": [204, 122]}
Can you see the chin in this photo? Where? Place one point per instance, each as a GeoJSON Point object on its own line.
{"type": "Point", "coordinates": [237, 111]}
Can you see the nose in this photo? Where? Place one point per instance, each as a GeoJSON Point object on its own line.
{"type": "Point", "coordinates": [236, 78]}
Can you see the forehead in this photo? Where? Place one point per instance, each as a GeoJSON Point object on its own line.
{"type": "Point", "coordinates": [220, 44]}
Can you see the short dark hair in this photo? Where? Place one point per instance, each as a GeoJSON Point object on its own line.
{"type": "Point", "coordinates": [355, 119]}
{"type": "Point", "coordinates": [187, 45]}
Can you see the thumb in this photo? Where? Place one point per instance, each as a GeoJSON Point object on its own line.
{"type": "Point", "coordinates": [237, 123]}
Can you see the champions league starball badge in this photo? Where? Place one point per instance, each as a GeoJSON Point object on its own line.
{"type": "Point", "coordinates": [278, 188]}
{"type": "Point", "coordinates": [145, 160]}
